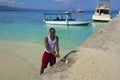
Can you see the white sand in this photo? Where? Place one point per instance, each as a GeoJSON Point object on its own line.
{"type": "Point", "coordinates": [98, 58]}
{"type": "Point", "coordinates": [19, 60]}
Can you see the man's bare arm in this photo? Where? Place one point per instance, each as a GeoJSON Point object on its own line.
{"type": "Point", "coordinates": [57, 47]}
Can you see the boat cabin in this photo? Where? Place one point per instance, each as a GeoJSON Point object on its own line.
{"type": "Point", "coordinates": [62, 16]}
{"type": "Point", "coordinates": [103, 9]}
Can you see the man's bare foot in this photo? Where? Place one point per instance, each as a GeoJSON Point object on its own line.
{"type": "Point", "coordinates": [41, 71]}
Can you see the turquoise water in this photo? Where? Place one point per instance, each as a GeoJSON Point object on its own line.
{"type": "Point", "coordinates": [28, 27]}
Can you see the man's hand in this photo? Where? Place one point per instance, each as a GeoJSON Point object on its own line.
{"type": "Point", "coordinates": [56, 55]}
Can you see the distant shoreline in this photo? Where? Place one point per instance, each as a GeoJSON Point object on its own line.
{"type": "Point", "coordinates": [8, 8]}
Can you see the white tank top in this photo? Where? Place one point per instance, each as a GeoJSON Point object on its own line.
{"type": "Point", "coordinates": [51, 43]}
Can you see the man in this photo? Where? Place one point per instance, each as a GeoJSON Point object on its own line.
{"type": "Point", "coordinates": [51, 50]}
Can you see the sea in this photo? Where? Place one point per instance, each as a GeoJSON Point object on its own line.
{"type": "Point", "coordinates": [28, 26]}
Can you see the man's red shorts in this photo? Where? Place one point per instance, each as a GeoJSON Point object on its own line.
{"type": "Point", "coordinates": [48, 57]}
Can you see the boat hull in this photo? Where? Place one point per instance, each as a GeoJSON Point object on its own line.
{"type": "Point", "coordinates": [70, 23]}
{"type": "Point", "coordinates": [101, 17]}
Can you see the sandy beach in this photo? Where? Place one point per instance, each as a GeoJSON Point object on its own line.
{"type": "Point", "coordinates": [98, 58]}
{"type": "Point", "coordinates": [19, 60]}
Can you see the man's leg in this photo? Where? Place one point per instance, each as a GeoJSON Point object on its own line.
{"type": "Point", "coordinates": [52, 59]}
{"type": "Point", "coordinates": [41, 71]}
{"type": "Point", "coordinates": [45, 60]}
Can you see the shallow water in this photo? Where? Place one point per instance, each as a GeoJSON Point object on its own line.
{"type": "Point", "coordinates": [28, 27]}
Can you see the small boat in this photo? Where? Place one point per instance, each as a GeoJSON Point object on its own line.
{"type": "Point", "coordinates": [78, 10]}
{"type": "Point", "coordinates": [119, 13]}
{"type": "Point", "coordinates": [63, 18]}
{"type": "Point", "coordinates": [102, 12]}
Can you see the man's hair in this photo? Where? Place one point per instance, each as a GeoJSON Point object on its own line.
{"type": "Point", "coordinates": [52, 29]}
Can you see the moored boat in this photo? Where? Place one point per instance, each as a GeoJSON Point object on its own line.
{"type": "Point", "coordinates": [102, 12]}
{"type": "Point", "coordinates": [63, 18]}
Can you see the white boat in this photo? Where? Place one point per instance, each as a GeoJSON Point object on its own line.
{"type": "Point", "coordinates": [119, 13]}
{"type": "Point", "coordinates": [102, 12]}
{"type": "Point", "coordinates": [63, 18]}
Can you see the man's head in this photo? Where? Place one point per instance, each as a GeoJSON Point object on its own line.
{"type": "Point", "coordinates": [52, 31]}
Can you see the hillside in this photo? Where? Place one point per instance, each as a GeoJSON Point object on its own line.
{"type": "Point", "coordinates": [8, 8]}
